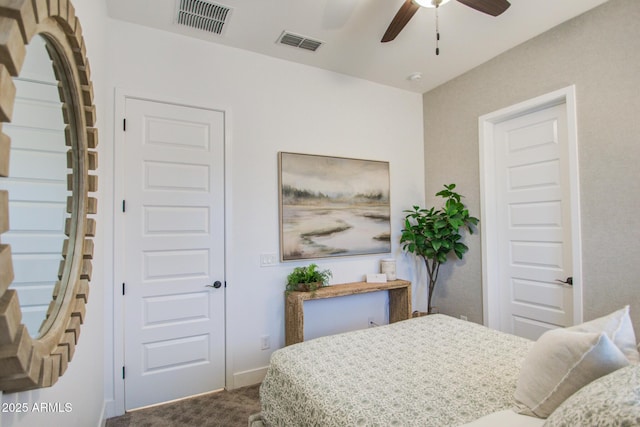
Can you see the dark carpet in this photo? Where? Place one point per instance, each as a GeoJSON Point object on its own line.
{"type": "Point", "coordinates": [219, 409]}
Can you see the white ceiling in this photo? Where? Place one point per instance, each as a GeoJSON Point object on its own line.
{"type": "Point", "coordinates": [351, 31]}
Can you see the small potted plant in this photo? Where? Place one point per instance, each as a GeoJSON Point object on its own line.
{"type": "Point", "coordinates": [307, 279]}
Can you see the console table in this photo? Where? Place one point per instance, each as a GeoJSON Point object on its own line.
{"type": "Point", "coordinates": [399, 303]}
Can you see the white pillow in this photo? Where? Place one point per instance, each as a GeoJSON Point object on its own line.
{"type": "Point", "coordinates": [561, 362]}
{"type": "Point", "coordinates": [618, 327]}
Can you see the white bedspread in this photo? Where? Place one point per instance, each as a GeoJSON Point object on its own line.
{"type": "Point", "coordinates": [429, 371]}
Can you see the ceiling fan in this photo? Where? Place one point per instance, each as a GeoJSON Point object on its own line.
{"type": "Point", "coordinates": [410, 7]}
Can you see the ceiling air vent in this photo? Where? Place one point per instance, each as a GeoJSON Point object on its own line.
{"type": "Point", "coordinates": [296, 40]}
{"type": "Point", "coordinates": [203, 15]}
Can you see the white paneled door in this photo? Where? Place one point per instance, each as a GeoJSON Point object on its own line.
{"type": "Point", "coordinates": [174, 287]}
{"type": "Point", "coordinates": [533, 250]}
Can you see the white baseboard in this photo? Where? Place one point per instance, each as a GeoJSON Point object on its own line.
{"type": "Point", "coordinates": [247, 378]}
{"type": "Point", "coordinates": [110, 408]}
{"type": "Point", "coordinates": [104, 415]}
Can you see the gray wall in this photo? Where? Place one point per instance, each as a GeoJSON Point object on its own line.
{"type": "Point", "coordinates": [598, 52]}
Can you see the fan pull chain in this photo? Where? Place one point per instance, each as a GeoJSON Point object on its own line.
{"type": "Point", "coordinates": [437, 30]}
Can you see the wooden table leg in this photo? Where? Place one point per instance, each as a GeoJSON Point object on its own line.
{"type": "Point", "coordinates": [294, 320]}
{"type": "Point", "coordinates": [399, 304]}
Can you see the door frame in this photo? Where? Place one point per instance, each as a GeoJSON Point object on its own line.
{"type": "Point", "coordinates": [488, 225]}
{"type": "Point", "coordinates": [118, 355]}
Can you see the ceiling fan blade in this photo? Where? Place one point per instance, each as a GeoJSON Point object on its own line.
{"type": "Point", "coordinates": [490, 7]}
{"type": "Point", "coordinates": [404, 15]}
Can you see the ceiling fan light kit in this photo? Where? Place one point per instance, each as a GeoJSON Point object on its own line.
{"type": "Point", "coordinates": [430, 3]}
{"type": "Point", "coordinates": [410, 7]}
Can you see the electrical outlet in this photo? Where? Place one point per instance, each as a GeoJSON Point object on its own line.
{"type": "Point", "coordinates": [463, 317]}
{"type": "Point", "coordinates": [268, 260]}
{"type": "Point", "coordinates": [265, 342]}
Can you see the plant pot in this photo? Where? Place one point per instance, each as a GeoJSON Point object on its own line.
{"type": "Point", "coordinates": [308, 287]}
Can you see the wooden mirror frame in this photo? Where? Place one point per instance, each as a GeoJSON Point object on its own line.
{"type": "Point", "coordinates": [25, 362]}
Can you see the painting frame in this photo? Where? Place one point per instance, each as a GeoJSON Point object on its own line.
{"type": "Point", "coordinates": [332, 206]}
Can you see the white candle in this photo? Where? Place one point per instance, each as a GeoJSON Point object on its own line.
{"type": "Point", "coordinates": [388, 267]}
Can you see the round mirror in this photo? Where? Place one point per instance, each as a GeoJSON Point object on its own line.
{"type": "Point", "coordinates": [37, 185]}
{"type": "Point", "coordinates": [45, 207]}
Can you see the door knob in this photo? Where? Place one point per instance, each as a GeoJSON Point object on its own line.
{"type": "Point", "coordinates": [569, 281]}
{"type": "Point", "coordinates": [217, 284]}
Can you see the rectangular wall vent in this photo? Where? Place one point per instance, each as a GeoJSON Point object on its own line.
{"type": "Point", "coordinates": [203, 15]}
{"type": "Point", "coordinates": [297, 40]}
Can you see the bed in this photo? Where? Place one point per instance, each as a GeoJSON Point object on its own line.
{"type": "Point", "coordinates": [429, 371]}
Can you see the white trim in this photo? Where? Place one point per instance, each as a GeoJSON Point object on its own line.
{"type": "Point", "coordinates": [487, 123]}
{"type": "Point", "coordinates": [118, 261]}
{"type": "Point", "coordinates": [102, 422]}
{"type": "Point", "coordinates": [247, 378]}
{"type": "Point", "coordinates": [117, 406]}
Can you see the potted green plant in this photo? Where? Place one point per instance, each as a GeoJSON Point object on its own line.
{"type": "Point", "coordinates": [433, 234]}
{"type": "Point", "coordinates": [307, 279]}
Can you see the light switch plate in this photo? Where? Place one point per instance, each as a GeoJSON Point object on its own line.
{"type": "Point", "coordinates": [268, 260]}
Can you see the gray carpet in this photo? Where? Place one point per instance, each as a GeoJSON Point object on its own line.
{"type": "Point", "coordinates": [220, 409]}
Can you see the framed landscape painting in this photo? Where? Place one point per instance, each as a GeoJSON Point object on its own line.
{"type": "Point", "coordinates": [332, 206]}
